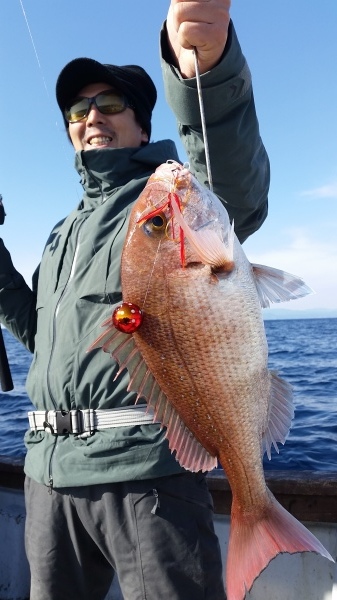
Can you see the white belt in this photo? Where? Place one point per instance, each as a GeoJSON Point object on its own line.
{"type": "Point", "coordinates": [89, 420]}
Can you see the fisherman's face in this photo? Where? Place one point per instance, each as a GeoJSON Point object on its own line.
{"type": "Point", "coordinates": [97, 130]}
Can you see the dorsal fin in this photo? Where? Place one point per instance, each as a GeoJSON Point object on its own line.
{"type": "Point", "coordinates": [189, 452]}
{"type": "Point", "coordinates": [280, 414]}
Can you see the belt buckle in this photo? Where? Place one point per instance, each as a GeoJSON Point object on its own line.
{"type": "Point", "coordinates": [63, 421]}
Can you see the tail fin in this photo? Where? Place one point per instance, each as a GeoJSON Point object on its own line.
{"type": "Point", "coordinates": [253, 543]}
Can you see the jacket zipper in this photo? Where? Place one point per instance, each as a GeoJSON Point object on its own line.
{"type": "Point", "coordinates": [98, 182]}
{"type": "Point", "coordinates": [71, 275]}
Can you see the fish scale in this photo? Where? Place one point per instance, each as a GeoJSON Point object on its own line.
{"type": "Point", "coordinates": [186, 376]}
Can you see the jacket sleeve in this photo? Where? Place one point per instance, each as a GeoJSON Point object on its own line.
{"type": "Point", "coordinates": [17, 301]}
{"type": "Point", "coordinates": [239, 162]}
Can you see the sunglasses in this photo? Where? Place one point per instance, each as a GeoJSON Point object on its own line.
{"type": "Point", "coordinates": [110, 102]}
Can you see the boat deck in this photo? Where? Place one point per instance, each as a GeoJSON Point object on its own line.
{"type": "Point", "coordinates": [310, 496]}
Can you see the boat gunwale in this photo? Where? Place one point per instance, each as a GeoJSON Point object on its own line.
{"type": "Point", "coordinates": [308, 495]}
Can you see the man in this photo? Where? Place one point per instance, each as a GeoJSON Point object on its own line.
{"type": "Point", "coordinates": [105, 495]}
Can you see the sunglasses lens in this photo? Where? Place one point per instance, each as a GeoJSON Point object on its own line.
{"type": "Point", "coordinates": [110, 103]}
{"type": "Point", "coordinates": [77, 111]}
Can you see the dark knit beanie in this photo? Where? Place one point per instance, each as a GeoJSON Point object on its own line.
{"type": "Point", "coordinates": [132, 80]}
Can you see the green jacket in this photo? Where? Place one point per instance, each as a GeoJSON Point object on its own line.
{"type": "Point", "coordinates": [78, 281]}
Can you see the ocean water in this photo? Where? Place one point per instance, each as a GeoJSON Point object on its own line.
{"type": "Point", "coordinates": [303, 351]}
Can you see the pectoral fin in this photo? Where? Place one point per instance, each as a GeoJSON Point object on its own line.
{"type": "Point", "coordinates": [274, 285]}
{"type": "Point", "coordinates": [207, 244]}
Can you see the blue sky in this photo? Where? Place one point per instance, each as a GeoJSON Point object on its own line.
{"type": "Point", "coordinates": [291, 48]}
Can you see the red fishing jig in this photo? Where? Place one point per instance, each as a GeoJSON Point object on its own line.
{"type": "Point", "coordinates": [127, 317]}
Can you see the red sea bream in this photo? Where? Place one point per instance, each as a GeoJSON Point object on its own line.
{"type": "Point", "coordinates": [200, 357]}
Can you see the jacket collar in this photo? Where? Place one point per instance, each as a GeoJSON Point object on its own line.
{"type": "Point", "coordinates": [102, 171]}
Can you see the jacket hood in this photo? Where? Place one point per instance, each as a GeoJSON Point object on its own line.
{"type": "Point", "coordinates": [103, 171]}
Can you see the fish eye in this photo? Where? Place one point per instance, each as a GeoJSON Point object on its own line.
{"type": "Point", "coordinates": [156, 224]}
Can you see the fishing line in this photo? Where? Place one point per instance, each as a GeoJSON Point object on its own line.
{"type": "Point", "coordinates": [150, 276]}
{"type": "Point", "coordinates": [203, 120]}
{"type": "Point", "coordinates": [34, 47]}
{"type": "Point", "coordinates": [42, 75]}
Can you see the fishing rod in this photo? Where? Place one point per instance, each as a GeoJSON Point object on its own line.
{"type": "Point", "coordinates": [5, 373]}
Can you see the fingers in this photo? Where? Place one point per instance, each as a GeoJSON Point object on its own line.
{"type": "Point", "coordinates": [202, 24]}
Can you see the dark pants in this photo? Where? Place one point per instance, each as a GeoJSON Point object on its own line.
{"type": "Point", "coordinates": [157, 535]}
